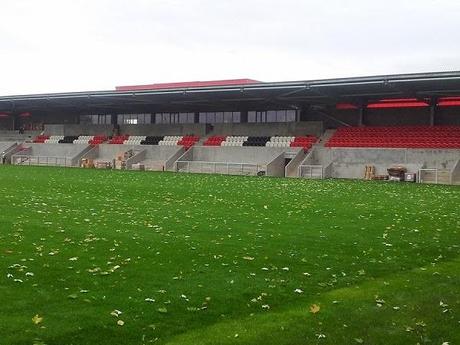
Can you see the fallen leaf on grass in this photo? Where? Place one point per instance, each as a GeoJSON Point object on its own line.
{"type": "Point", "coordinates": [37, 319]}
{"type": "Point", "coordinates": [314, 308]}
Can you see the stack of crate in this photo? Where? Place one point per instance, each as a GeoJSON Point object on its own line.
{"type": "Point", "coordinates": [369, 172]}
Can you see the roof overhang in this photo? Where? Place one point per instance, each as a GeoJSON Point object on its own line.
{"type": "Point", "coordinates": [256, 95]}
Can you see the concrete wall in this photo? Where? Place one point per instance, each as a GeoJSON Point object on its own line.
{"type": "Point", "coordinates": [7, 149]}
{"type": "Point", "coordinates": [456, 173]}
{"type": "Point", "coordinates": [55, 150]}
{"type": "Point", "coordinates": [245, 154]}
{"type": "Point", "coordinates": [108, 152]}
{"type": "Point", "coordinates": [293, 166]}
{"type": "Point", "coordinates": [269, 129]}
{"type": "Point", "coordinates": [146, 129]}
{"type": "Point", "coordinates": [351, 162]}
{"type": "Point", "coordinates": [15, 136]}
{"type": "Point", "coordinates": [146, 153]}
{"type": "Point", "coordinates": [155, 156]}
{"type": "Point", "coordinates": [160, 153]}
{"type": "Point", "coordinates": [49, 154]}
{"type": "Point", "coordinates": [276, 166]}
{"type": "Point", "coordinates": [5, 146]}
{"type": "Point", "coordinates": [78, 129]}
{"type": "Point", "coordinates": [161, 129]}
{"type": "Point", "coordinates": [169, 164]}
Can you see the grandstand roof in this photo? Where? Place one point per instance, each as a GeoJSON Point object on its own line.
{"type": "Point", "coordinates": [244, 93]}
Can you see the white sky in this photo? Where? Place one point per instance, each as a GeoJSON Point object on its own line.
{"type": "Point", "coordinates": [80, 45]}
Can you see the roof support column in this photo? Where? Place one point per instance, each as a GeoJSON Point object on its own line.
{"type": "Point", "coordinates": [196, 117]}
{"type": "Point", "coordinates": [361, 114]}
{"type": "Point", "coordinates": [433, 111]}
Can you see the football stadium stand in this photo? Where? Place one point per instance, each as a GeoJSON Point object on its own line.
{"type": "Point", "coordinates": [338, 128]}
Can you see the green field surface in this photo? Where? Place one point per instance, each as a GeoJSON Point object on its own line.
{"type": "Point", "coordinates": [119, 257]}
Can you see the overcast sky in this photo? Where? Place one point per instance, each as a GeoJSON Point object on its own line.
{"type": "Point", "coordinates": [80, 45]}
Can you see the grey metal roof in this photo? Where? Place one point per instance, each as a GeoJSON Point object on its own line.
{"type": "Point", "coordinates": [259, 95]}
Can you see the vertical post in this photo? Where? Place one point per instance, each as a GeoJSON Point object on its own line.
{"type": "Point", "coordinates": [362, 111]}
{"type": "Point", "coordinates": [196, 117]}
{"type": "Point", "coordinates": [433, 110]}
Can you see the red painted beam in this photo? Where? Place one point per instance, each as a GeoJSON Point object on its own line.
{"type": "Point", "coordinates": [184, 85]}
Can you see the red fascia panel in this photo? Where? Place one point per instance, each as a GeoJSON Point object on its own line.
{"type": "Point", "coordinates": [345, 106]}
{"type": "Point", "coordinates": [449, 102]}
{"type": "Point", "coordinates": [182, 85]}
{"type": "Point", "coordinates": [417, 104]}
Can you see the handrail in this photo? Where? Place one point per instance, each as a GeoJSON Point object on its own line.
{"type": "Point", "coordinates": [213, 167]}
{"type": "Point", "coordinates": [20, 159]}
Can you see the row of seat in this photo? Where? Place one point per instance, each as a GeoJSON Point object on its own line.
{"type": "Point", "coordinates": [397, 137]}
{"type": "Point", "coordinates": [70, 139]}
{"type": "Point", "coordinates": [41, 139]}
{"type": "Point", "coordinates": [54, 139]}
{"type": "Point", "coordinates": [274, 141]}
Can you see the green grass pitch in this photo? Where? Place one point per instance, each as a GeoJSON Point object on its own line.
{"type": "Point", "coordinates": [117, 257]}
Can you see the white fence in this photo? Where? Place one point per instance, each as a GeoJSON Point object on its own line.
{"type": "Point", "coordinates": [224, 168]}
{"type": "Point", "coordinates": [41, 160]}
{"type": "Point", "coordinates": [311, 171]}
{"type": "Point", "coordinates": [434, 175]}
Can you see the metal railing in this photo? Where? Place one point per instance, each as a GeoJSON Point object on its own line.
{"type": "Point", "coordinates": [311, 171]}
{"type": "Point", "coordinates": [225, 168]}
{"type": "Point", "coordinates": [42, 160]}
